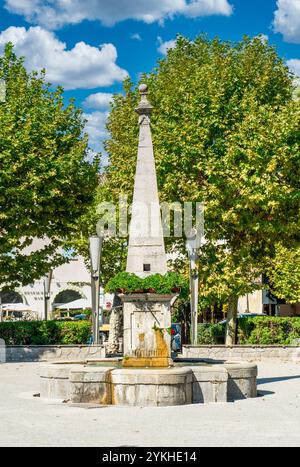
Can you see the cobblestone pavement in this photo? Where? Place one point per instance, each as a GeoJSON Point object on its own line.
{"type": "Point", "coordinates": [271, 420]}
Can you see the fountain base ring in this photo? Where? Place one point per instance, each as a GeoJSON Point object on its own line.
{"type": "Point", "coordinates": [178, 385]}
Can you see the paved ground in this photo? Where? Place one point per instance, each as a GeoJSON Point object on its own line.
{"type": "Point", "coordinates": [271, 420]}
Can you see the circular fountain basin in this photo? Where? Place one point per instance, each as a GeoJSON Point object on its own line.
{"type": "Point", "coordinates": [107, 383]}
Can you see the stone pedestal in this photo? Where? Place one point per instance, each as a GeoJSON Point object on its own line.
{"type": "Point", "coordinates": [147, 330]}
{"type": "Point", "coordinates": [54, 380]}
{"type": "Point", "coordinates": [242, 380]}
{"type": "Point", "coordinates": [91, 385]}
{"type": "Point", "coordinates": [209, 384]}
{"type": "Point", "coordinates": [148, 388]}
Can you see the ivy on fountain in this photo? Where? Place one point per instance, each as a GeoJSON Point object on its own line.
{"type": "Point", "coordinates": [162, 330]}
{"type": "Point", "coordinates": [125, 282]}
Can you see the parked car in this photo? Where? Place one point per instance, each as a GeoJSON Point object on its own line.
{"type": "Point", "coordinates": [81, 317]}
{"type": "Point", "coordinates": [176, 337]}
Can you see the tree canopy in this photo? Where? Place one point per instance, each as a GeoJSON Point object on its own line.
{"type": "Point", "coordinates": [46, 179]}
{"type": "Point", "coordinates": [284, 274]}
{"type": "Point", "coordinates": [226, 132]}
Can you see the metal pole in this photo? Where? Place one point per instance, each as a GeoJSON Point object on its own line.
{"type": "Point", "coordinates": [194, 288]}
{"type": "Point", "coordinates": [45, 303]}
{"type": "Point", "coordinates": [47, 294]}
{"type": "Point", "coordinates": [1, 309]}
{"type": "Point", "coordinates": [46, 308]}
{"type": "Point", "coordinates": [97, 327]}
{"type": "Point", "coordinates": [93, 293]}
{"type": "Point", "coordinates": [95, 309]}
{"type": "Point", "coordinates": [192, 245]}
{"type": "Point", "coordinates": [101, 318]}
{"type": "Point", "coordinates": [95, 256]}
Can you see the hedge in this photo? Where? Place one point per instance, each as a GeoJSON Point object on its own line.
{"type": "Point", "coordinates": [45, 332]}
{"type": "Point", "coordinates": [251, 331]}
{"type": "Point", "coordinates": [211, 334]}
{"type": "Point", "coordinates": [269, 331]}
{"type": "Point", "coordinates": [254, 331]}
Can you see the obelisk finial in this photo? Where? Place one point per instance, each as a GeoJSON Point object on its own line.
{"type": "Point", "coordinates": [143, 88]}
{"type": "Point", "coordinates": [144, 107]}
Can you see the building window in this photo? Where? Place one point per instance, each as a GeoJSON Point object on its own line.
{"type": "Point", "coordinates": [147, 267]}
{"type": "Point", "coordinates": [11, 297]}
{"type": "Point", "coordinates": [66, 296]}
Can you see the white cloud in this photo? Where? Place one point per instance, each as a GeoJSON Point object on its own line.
{"type": "Point", "coordinates": [96, 129]}
{"type": "Point", "coordinates": [294, 66]}
{"type": "Point", "coordinates": [83, 66]}
{"type": "Point", "coordinates": [287, 20]}
{"type": "Point", "coordinates": [100, 100]}
{"type": "Point", "coordinates": [165, 46]}
{"type": "Point", "coordinates": [136, 37]}
{"type": "Point", "coordinates": [197, 8]}
{"type": "Point", "coordinates": [54, 14]}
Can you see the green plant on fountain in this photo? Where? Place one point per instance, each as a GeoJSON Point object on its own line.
{"type": "Point", "coordinates": [162, 330]}
{"type": "Point", "coordinates": [128, 283]}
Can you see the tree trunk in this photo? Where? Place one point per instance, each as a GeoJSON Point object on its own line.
{"type": "Point", "coordinates": [116, 327]}
{"type": "Point", "coordinates": [231, 327]}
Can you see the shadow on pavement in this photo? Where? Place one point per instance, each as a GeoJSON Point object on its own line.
{"type": "Point", "coordinates": [264, 393]}
{"type": "Point", "coordinates": [276, 380]}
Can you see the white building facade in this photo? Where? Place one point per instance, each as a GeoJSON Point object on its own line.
{"type": "Point", "coordinates": [70, 282]}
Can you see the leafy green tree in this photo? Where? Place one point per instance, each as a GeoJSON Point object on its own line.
{"type": "Point", "coordinates": [46, 181]}
{"type": "Point", "coordinates": [226, 132]}
{"type": "Point", "coordinates": [285, 274]}
{"type": "Point", "coordinates": [114, 250]}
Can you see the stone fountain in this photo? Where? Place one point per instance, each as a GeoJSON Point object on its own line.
{"type": "Point", "coordinates": [147, 317]}
{"type": "Point", "coordinates": [147, 375]}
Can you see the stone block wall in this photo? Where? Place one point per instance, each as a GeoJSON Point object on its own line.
{"type": "Point", "coordinates": [50, 353]}
{"type": "Point", "coordinates": [249, 353]}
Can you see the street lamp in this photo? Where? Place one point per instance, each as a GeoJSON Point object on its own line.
{"type": "Point", "coordinates": [47, 286]}
{"type": "Point", "coordinates": [1, 308]}
{"type": "Point", "coordinates": [95, 257]}
{"type": "Point", "coordinates": [192, 249]}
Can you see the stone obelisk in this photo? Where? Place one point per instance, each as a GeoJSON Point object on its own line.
{"type": "Point", "coordinates": [146, 253]}
{"type": "Point", "coordinates": [147, 316]}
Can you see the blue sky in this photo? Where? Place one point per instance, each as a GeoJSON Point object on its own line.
{"type": "Point", "coordinates": [67, 36]}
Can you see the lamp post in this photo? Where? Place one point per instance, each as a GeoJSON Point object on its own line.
{"type": "Point", "coordinates": [1, 308]}
{"type": "Point", "coordinates": [192, 249]}
{"type": "Point", "coordinates": [95, 257]}
{"type": "Point", "coordinates": [47, 287]}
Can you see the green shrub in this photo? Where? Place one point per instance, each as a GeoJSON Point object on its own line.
{"type": "Point", "coordinates": [254, 331]}
{"type": "Point", "coordinates": [124, 281]}
{"type": "Point", "coordinates": [211, 334]}
{"type": "Point", "coordinates": [130, 283]}
{"type": "Point", "coordinates": [165, 284]}
{"type": "Point", "coordinates": [45, 332]}
{"type": "Point", "coordinates": [269, 331]}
